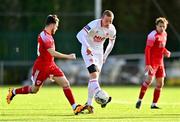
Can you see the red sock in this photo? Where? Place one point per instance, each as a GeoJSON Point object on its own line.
{"type": "Point", "coordinates": [69, 95]}
{"type": "Point", "coordinates": [23, 90]}
{"type": "Point", "coordinates": [156, 96]}
{"type": "Point", "coordinates": [143, 89]}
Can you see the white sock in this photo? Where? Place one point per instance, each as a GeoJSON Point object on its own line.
{"type": "Point", "coordinates": [14, 91]}
{"type": "Point", "coordinates": [74, 106]}
{"type": "Point", "coordinates": [139, 99]}
{"type": "Point", "coordinates": [93, 87]}
{"type": "Point", "coordinates": [154, 104]}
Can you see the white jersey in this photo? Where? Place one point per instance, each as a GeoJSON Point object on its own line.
{"type": "Point", "coordinates": [96, 35]}
{"type": "Point", "coordinates": [93, 36]}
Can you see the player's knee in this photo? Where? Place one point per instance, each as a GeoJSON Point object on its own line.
{"type": "Point", "coordinates": [65, 84]}
{"type": "Point", "coordinates": [160, 85]}
{"type": "Point", "coordinates": [149, 80]}
{"type": "Point", "coordinates": [34, 90]}
{"type": "Point", "coordinates": [92, 68]}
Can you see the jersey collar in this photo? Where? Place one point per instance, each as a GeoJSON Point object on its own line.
{"type": "Point", "coordinates": [47, 32]}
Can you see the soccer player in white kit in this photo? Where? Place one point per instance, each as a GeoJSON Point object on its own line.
{"type": "Point", "coordinates": [92, 38]}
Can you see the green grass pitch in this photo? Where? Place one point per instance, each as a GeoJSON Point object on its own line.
{"type": "Point", "coordinates": [50, 105]}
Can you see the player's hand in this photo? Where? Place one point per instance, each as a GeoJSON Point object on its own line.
{"type": "Point", "coordinates": [167, 54]}
{"type": "Point", "coordinates": [51, 78]}
{"type": "Point", "coordinates": [72, 56]}
{"type": "Point", "coordinates": [89, 51]}
{"type": "Point", "coordinates": [148, 68]}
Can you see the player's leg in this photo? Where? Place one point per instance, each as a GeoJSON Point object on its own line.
{"type": "Point", "coordinates": [93, 84]}
{"type": "Point", "coordinates": [94, 69]}
{"type": "Point", "coordinates": [159, 85]}
{"type": "Point", "coordinates": [62, 81]}
{"type": "Point", "coordinates": [157, 91]}
{"type": "Point", "coordinates": [23, 90]}
{"type": "Point", "coordinates": [37, 81]}
{"type": "Point", "coordinates": [93, 87]}
{"type": "Point", "coordinates": [146, 83]}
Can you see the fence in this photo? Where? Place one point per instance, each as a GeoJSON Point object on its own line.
{"type": "Point", "coordinates": [119, 69]}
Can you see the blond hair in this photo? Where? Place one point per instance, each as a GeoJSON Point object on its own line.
{"type": "Point", "coordinates": [161, 20]}
{"type": "Point", "coordinates": [108, 13]}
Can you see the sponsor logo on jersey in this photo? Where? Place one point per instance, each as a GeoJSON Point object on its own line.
{"type": "Point", "coordinates": [98, 38]}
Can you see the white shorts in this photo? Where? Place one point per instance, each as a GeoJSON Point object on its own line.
{"type": "Point", "coordinates": [96, 59]}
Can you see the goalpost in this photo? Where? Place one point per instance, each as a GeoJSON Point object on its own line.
{"type": "Point", "coordinates": [97, 8]}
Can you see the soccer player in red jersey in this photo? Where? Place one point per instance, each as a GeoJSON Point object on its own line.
{"type": "Point", "coordinates": [45, 67]}
{"type": "Point", "coordinates": [154, 53]}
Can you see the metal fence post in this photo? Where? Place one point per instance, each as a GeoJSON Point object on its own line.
{"type": "Point", "coordinates": [1, 72]}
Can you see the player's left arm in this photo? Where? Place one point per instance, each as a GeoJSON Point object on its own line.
{"type": "Point", "coordinates": [166, 52]}
{"type": "Point", "coordinates": [61, 55]}
{"type": "Point", "coordinates": [109, 46]}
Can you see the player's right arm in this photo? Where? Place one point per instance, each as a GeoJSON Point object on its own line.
{"type": "Point", "coordinates": [149, 43]}
{"type": "Point", "coordinates": [60, 55]}
{"type": "Point", "coordinates": [83, 35]}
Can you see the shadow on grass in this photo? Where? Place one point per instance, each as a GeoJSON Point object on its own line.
{"type": "Point", "coordinates": [171, 115]}
{"type": "Point", "coordinates": [34, 114]}
{"type": "Point", "coordinates": [28, 109]}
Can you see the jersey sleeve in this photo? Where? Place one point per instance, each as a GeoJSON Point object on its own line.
{"type": "Point", "coordinates": [149, 43]}
{"type": "Point", "coordinates": [89, 27]}
{"type": "Point", "coordinates": [112, 35]}
{"type": "Point", "coordinates": [150, 39]}
{"type": "Point", "coordinates": [148, 55]}
{"type": "Point", "coordinates": [48, 43]}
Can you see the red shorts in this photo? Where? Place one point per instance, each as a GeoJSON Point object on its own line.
{"type": "Point", "coordinates": [41, 71]}
{"type": "Point", "coordinates": [158, 71]}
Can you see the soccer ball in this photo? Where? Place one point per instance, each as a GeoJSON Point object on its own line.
{"type": "Point", "coordinates": [101, 97]}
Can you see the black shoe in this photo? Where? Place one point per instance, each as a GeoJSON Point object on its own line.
{"type": "Point", "coordinates": [154, 107]}
{"type": "Point", "coordinates": [104, 105]}
{"type": "Point", "coordinates": [138, 104]}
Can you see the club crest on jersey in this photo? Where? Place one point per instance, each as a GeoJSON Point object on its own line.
{"type": "Point", "coordinates": [91, 60]}
{"type": "Point", "coordinates": [38, 82]}
{"type": "Point", "coordinates": [161, 45]}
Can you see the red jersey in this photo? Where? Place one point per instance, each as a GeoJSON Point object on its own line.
{"type": "Point", "coordinates": [155, 48]}
{"type": "Point", "coordinates": [44, 65]}
{"type": "Point", "coordinates": [45, 41]}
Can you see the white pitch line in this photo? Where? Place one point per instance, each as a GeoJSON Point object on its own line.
{"type": "Point", "coordinates": [130, 102]}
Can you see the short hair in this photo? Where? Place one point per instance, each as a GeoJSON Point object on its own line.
{"type": "Point", "coordinates": [51, 19]}
{"type": "Point", "coordinates": [161, 20]}
{"type": "Point", "coordinates": [108, 13]}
